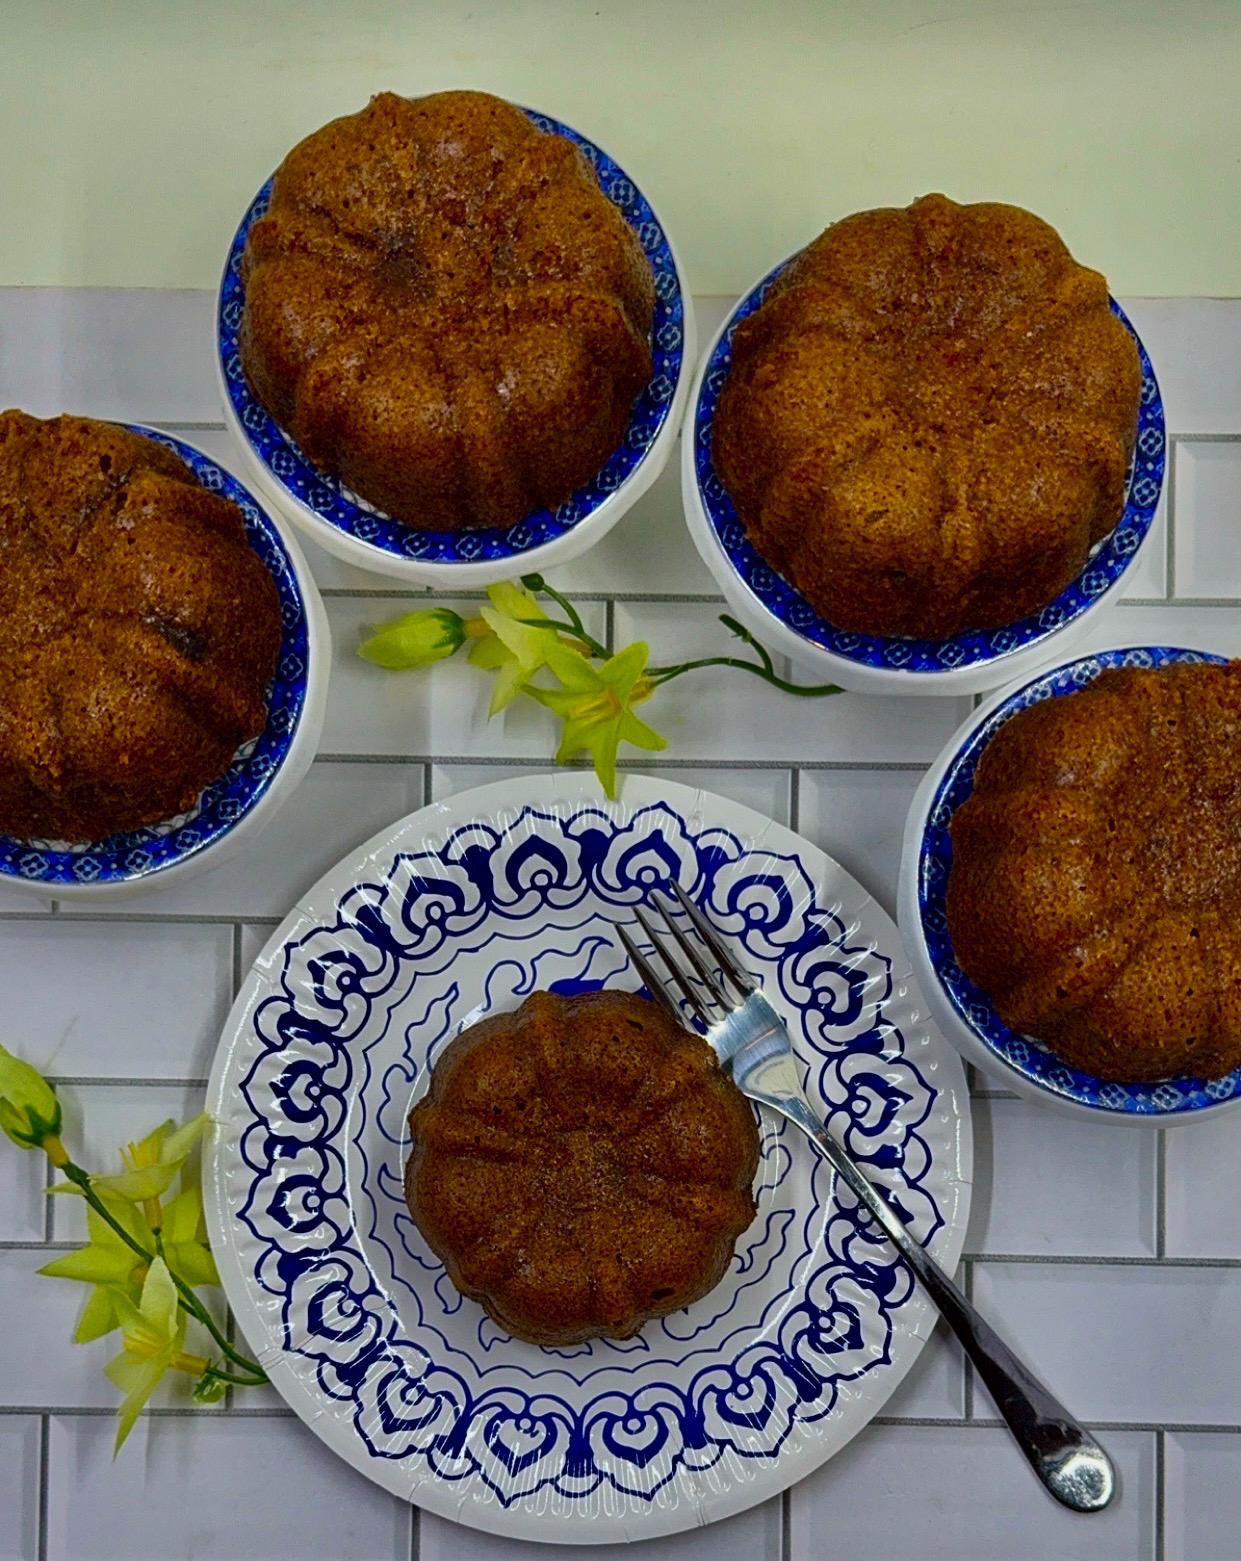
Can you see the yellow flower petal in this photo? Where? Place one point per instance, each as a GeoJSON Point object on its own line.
{"type": "Point", "coordinates": [177, 1145]}
{"type": "Point", "coordinates": [150, 1181]}
{"type": "Point", "coordinates": [182, 1216]}
{"type": "Point", "coordinates": [147, 1150]}
{"type": "Point", "coordinates": [159, 1301]}
{"type": "Point", "coordinates": [193, 1262]}
{"type": "Point", "coordinates": [92, 1265]}
{"type": "Point", "coordinates": [137, 1380]}
{"type": "Point", "coordinates": [98, 1316]}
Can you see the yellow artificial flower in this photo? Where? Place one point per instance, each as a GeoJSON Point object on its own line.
{"type": "Point", "coordinates": [514, 650]}
{"type": "Point", "coordinates": [154, 1334]}
{"type": "Point", "coordinates": [108, 1264]}
{"type": "Point", "coordinates": [596, 706]}
{"type": "Point", "coordinates": [416, 640]}
{"type": "Point", "coordinates": [185, 1239]}
{"type": "Point", "coordinates": [150, 1167]}
{"type": "Point", "coordinates": [29, 1110]}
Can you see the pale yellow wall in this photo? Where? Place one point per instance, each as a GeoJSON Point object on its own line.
{"type": "Point", "coordinates": [132, 134]}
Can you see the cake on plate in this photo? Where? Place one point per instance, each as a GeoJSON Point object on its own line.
{"type": "Point", "coordinates": [138, 631]}
{"type": "Point", "coordinates": [445, 311]}
{"type": "Point", "coordinates": [581, 1166]}
{"type": "Point", "coordinates": [927, 424]}
{"type": "Point", "coordinates": [1095, 888]}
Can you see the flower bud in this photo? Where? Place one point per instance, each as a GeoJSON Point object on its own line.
{"type": "Point", "coordinates": [416, 640]}
{"type": "Point", "coordinates": [29, 1110]}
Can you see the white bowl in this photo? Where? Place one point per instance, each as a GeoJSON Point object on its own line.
{"type": "Point", "coordinates": [262, 777]}
{"type": "Point", "coordinates": [876, 664]}
{"type": "Point", "coordinates": [353, 530]}
{"type": "Point", "coordinates": [961, 1010]}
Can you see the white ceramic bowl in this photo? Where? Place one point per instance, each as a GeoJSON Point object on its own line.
{"type": "Point", "coordinates": [961, 1010]}
{"type": "Point", "coordinates": [262, 777]}
{"type": "Point", "coordinates": [875, 664]}
{"type": "Point", "coordinates": [363, 536]}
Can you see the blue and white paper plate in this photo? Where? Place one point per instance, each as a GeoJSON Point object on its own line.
{"type": "Point", "coordinates": [262, 774]}
{"type": "Point", "coordinates": [461, 910]}
{"type": "Point", "coordinates": [778, 613]}
{"type": "Point", "coordinates": [356, 532]}
{"type": "Point", "coordinates": [964, 1012]}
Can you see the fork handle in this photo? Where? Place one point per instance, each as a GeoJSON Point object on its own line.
{"type": "Point", "coordinates": [1067, 1459]}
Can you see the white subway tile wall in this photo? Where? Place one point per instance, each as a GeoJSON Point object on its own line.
{"type": "Point", "coordinates": [21, 1437]}
{"type": "Point", "coordinates": [1113, 1258]}
{"type": "Point", "coordinates": [1208, 510]}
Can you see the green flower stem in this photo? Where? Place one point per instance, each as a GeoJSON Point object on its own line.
{"type": "Point", "coordinates": [764, 668]}
{"type": "Point", "coordinates": [658, 675]}
{"type": "Point", "coordinates": [228, 1376]}
{"type": "Point", "coordinates": [574, 630]}
{"type": "Point", "coordinates": [188, 1300]}
{"type": "Point", "coordinates": [537, 584]}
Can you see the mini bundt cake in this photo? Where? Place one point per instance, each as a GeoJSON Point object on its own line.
{"type": "Point", "coordinates": [1095, 889]}
{"type": "Point", "coordinates": [927, 424]}
{"type": "Point", "coordinates": [138, 631]}
{"type": "Point", "coordinates": [445, 311]}
{"type": "Point", "coordinates": [581, 1165]}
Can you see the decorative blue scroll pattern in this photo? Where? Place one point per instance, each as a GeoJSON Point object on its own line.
{"type": "Point", "coordinates": [1176, 1097]}
{"type": "Point", "coordinates": [142, 852]}
{"type": "Point", "coordinates": [814, 1296]}
{"type": "Point", "coordinates": [348, 513]}
{"type": "Point", "coordinates": [1104, 567]}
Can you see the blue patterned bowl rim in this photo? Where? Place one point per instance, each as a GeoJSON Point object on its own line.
{"type": "Point", "coordinates": [345, 512]}
{"type": "Point", "coordinates": [1168, 1098]}
{"type": "Point", "coordinates": [143, 853]}
{"type": "Point", "coordinates": [892, 653]}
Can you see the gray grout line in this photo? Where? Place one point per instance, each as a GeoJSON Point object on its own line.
{"type": "Point", "coordinates": [526, 762]}
{"type": "Point", "coordinates": [1080, 1260]}
{"type": "Point", "coordinates": [428, 788]}
{"type": "Point", "coordinates": [169, 1412]}
{"type": "Point", "coordinates": [1161, 1195]}
{"type": "Point", "coordinates": [344, 593]}
{"type": "Point", "coordinates": [609, 624]}
{"type": "Point", "coordinates": [967, 1394]}
{"type": "Point", "coordinates": [786, 1524]}
{"type": "Point", "coordinates": [994, 1423]}
{"type": "Point", "coordinates": [1186, 604]}
{"type": "Point", "coordinates": [106, 1081]}
{"type": "Point", "coordinates": [166, 427]}
{"type": "Point", "coordinates": [41, 1538]}
{"type": "Point", "coordinates": [1175, 439]}
{"type": "Point", "coordinates": [236, 958]}
{"type": "Point", "coordinates": [795, 798]}
{"type": "Point", "coordinates": [49, 1176]}
{"type": "Point", "coordinates": [415, 1533]}
{"type": "Point", "coordinates": [1160, 1495]}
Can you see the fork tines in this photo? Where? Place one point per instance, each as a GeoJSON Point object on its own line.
{"type": "Point", "coordinates": [713, 989]}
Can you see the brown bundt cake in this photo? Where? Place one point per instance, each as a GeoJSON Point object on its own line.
{"type": "Point", "coordinates": [927, 424]}
{"type": "Point", "coordinates": [138, 631]}
{"type": "Point", "coordinates": [1095, 890]}
{"type": "Point", "coordinates": [445, 311]}
{"type": "Point", "coordinates": [581, 1165]}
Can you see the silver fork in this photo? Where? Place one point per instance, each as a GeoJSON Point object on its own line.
{"type": "Point", "coordinates": [753, 1045]}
